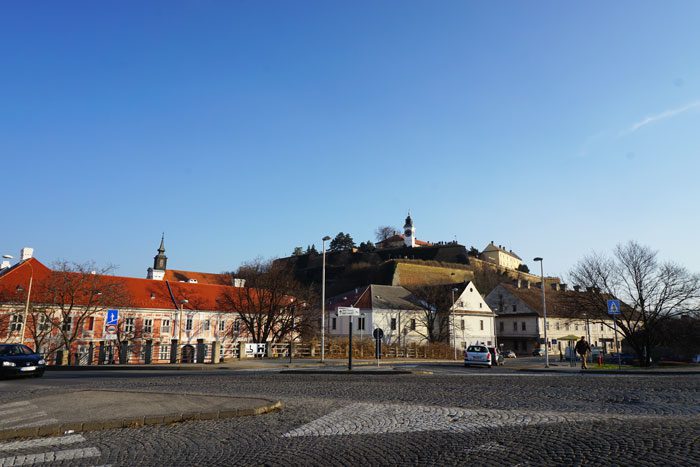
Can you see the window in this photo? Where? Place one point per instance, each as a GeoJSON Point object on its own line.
{"type": "Point", "coordinates": [461, 324]}
{"type": "Point", "coordinates": [547, 326]}
{"type": "Point", "coordinates": [188, 324]}
{"type": "Point", "coordinates": [515, 345]}
{"type": "Point", "coordinates": [523, 326]}
{"type": "Point", "coordinates": [557, 325]}
{"type": "Point", "coordinates": [237, 325]}
{"type": "Point", "coordinates": [16, 323]}
{"type": "Point", "coordinates": [393, 324]}
{"type": "Point", "coordinates": [501, 326]}
{"type": "Point", "coordinates": [567, 326]}
{"type": "Point", "coordinates": [205, 325]}
{"type": "Point", "coordinates": [165, 326]}
{"type": "Point", "coordinates": [576, 327]}
{"type": "Point", "coordinates": [481, 324]}
{"type": "Point", "coordinates": [44, 323]}
{"type": "Point", "coordinates": [481, 305]}
{"type": "Point", "coordinates": [129, 325]}
{"type": "Point", "coordinates": [413, 324]}
{"type": "Point", "coordinates": [164, 352]}
{"type": "Point", "coordinates": [148, 325]}
{"type": "Point", "coordinates": [515, 307]}
{"type": "Point", "coordinates": [515, 325]}
{"type": "Point", "coordinates": [361, 324]}
{"type": "Point", "coordinates": [90, 325]}
{"type": "Point", "coordinates": [222, 325]}
{"type": "Point", "coordinates": [334, 323]}
{"type": "Point", "coordinates": [601, 326]}
{"type": "Point", "coordinates": [67, 324]}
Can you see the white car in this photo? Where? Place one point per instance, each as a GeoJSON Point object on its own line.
{"type": "Point", "coordinates": [477, 355]}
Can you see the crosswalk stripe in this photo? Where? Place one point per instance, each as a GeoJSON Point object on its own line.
{"type": "Point", "coordinates": [10, 421]}
{"type": "Point", "coordinates": [16, 410]}
{"type": "Point", "coordinates": [57, 456]}
{"type": "Point", "coordinates": [15, 404]}
{"type": "Point", "coordinates": [43, 421]}
{"type": "Point", "coordinates": [41, 442]}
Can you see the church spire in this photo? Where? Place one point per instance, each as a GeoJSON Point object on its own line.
{"type": "Point", "coordinates": [161, 249]}
{"type": "Point", "coordinates": [160, 262]}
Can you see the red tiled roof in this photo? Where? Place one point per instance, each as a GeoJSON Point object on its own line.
{"type": "Point", "coordinates": [143, 293]}
{"type": "Point", "coordinates": [201, 277]}
{"type": "Point", "coordinates": [400, 238]}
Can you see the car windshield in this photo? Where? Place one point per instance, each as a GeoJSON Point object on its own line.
{"type": "Point", "coordinates": [9, 350]}
{"type": "Point", "coordinates": [476, 348]}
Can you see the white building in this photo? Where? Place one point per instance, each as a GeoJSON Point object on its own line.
{"type": "Point", "coordinates": [472, 320]}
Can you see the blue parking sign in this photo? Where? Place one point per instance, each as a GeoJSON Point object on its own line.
{"type": "Point", "coordinates": [112, 317]}
{"type": "Point", "coordinates": [613, 307]}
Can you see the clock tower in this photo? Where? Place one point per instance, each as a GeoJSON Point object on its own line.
{"type": "Point", "coordinates": [409, 232]}
{"type": "Point", "coordinates": [160, 261]}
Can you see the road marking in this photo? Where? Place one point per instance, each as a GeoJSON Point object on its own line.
{"type": "Point", "coordinates": [41, 442]}
{"type": "Point", "coordinates": [14, 404]}
{"type": "Point", "coordinates": [373, 418]}
{"type": "Point", "coordinates": [44, 421]}
{"type": "Point", "coordinates": [57, 456]}
{"type": "Point", "coordinates": [22, 418]}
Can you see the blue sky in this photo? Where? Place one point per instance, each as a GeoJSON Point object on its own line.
{"type": "Point", "coordinates": [244, 129]}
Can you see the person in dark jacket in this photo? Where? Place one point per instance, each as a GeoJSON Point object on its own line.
{"type": "Point", "coordinates": [582, 348]}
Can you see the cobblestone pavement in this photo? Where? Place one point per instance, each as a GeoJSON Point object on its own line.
{"type": "Point", "coordinates": [441, 419]}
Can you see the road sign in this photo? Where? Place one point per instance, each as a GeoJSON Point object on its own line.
{"type": "Point", "coordinates": [111, 329]}
{"type": "Point", "coordinates": [378, 333]}
{"type": "Point", "coordinates": [112, 317]}
{"type": "Point", "coordinates": [613, 307]}
{"type": "Point", "coordinates": [348, 311]}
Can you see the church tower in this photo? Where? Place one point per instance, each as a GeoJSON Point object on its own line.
{"type": "Point", "coordinates": [160, 261]}
{"type": "Point", "coordinates": [409, 232]}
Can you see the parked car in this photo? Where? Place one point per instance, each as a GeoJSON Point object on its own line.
{"type": "Point", "coordinates": [509, 354]}
{"type": "Point", "coordinates": [538, 352]}
{"type": "Point", "coordinates": [478, 355]}
{"type": "Point", "coordinates": [17, 359]}
{"type": "Point", "coordinates": [496, 356]}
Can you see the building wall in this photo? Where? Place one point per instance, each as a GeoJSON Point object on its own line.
{"type": "Point", "coordinates": [380, 318]}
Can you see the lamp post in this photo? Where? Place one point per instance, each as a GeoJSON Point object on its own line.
{"type": "Point", "coordinates": [323, 300]}
{"type": "Point", "coordinates": [291, 334]}
{"type": "Point", "coordinates": [26, 305]}
{"type": "Point", "coordinates": [179, 326]}
{"type": "Point", "coordinates": [454, 330]}
{"type": "Point", "coordinates": [544, 312]}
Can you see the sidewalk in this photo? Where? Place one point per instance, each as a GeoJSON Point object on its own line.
{"type": "Point", "coordinates": [92, 410]}
{"type": "Point", "coordinates": [593, 370]}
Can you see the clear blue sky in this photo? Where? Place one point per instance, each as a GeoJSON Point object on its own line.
{"type": "Point", "coordinates": [244, 129]}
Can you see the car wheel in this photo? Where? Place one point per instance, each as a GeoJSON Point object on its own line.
{"type": "Point", "coordinates": [38, 374]}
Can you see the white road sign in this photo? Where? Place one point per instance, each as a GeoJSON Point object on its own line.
{"type": "Point", "coordinates": [348, 311]}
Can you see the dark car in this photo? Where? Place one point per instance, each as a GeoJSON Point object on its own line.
{"type": "Point", "coordinates": [17, 359]}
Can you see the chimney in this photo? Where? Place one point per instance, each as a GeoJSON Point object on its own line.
{"type": "Point", "coordinates": [577, 288]}
{"type": "Point", "coordinates": [5, 264]}
{"type": "Point", "coordinates": [562, 287]}
{"type": "Point", "coordinates": [25, 253]}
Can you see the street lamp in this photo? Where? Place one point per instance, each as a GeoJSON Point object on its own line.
{"type": "Point", "coordinates": [323, 300]}
{"type": "Point", "coordinates": [291, 334]}
{"type": "Point", "coordinates": [454, 330]}
{"type": "Point", "coordinates": [26, 305]}
{"type": "Point", "coordinates": [544, 312]}
{"type": "Point", "coordinates": [179, 325]}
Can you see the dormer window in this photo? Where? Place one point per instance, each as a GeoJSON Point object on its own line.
{"type": "Point", "coordinates": [153, 295]}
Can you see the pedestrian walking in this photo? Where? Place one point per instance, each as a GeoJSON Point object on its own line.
{"type": "Point", "coordinates": [582, 348]}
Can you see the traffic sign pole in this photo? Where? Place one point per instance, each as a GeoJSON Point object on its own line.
{"type": "Point", "coordinates": [350, 345]}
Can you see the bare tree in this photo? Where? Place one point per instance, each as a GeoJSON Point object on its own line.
{"type": "Point", "coordinates": [436, 301]}
{"type": "Point", "coordinates": [652, 292]}
{"type": "Point", "coordinates": [383, 232]}
{"type": "Point", "coordinates": [75, 293]}
{"type": "Point", "coordinates": [271, 303]}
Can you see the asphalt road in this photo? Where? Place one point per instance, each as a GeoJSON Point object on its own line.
{"type": "Point", "coordinates": [452, 416]}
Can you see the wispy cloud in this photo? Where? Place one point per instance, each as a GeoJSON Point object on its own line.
{"type": "Point", "coordinates": [661, 116]}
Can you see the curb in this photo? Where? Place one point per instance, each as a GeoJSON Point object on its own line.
{"type": "Point", "coordinates": [58, 429]}
{"type": "Point", "coordinates": [346, 372]}
{"type": "Point", "coordinates": [612, 372]}
{"type": "Point", "coordinates": [194, 367]}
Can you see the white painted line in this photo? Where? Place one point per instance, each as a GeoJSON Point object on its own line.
{"type": "Point", "coordinates": [16, 410]}
{"type": "Point", "coordinates": [21, 418]}
{"type": "Point", "coordinates": [58, 456]}
{"type": "Point", "coordinates": [41, 442]}
{"type": "Point", "coordinates": [15, 404]}
{"type": "Point", "coordinates": [44, 421]}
